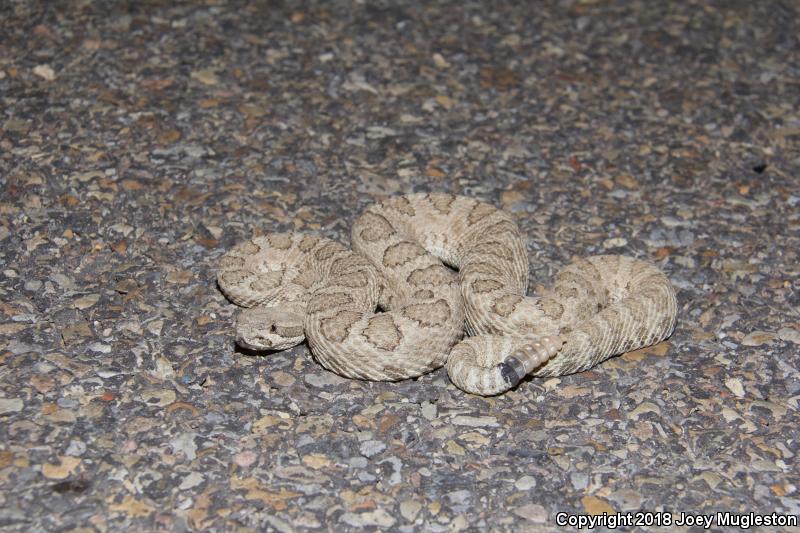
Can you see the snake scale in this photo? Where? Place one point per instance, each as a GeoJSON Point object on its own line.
{"type": "Point", "coordinates": [423, 269]}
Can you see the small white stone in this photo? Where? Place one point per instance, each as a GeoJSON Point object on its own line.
{"type": "Point", "coordinates": [64, 281]}
{"type": "Point", "coordinates": [789, 334]}
{"type": "Point", "coordinates": [371, 448]}
{"type": "Point", "coordinates": [76, 448]}
{"type": "Point", "coordinates": [729, 414]}
{"type": "Point", "coordinates": [99, 347]}
{"type": "Point", "coordinates": [357, 462]}
{"type": "Point", "coordinates": [124, 229]}
{"type": "Point", "coordinates": [215, 231]}
{"type": "Point", "coordinates": [429, 410]}
{"type": "Point", "coordinates": [735, 386]}
{"type": "Point", "coordinates": [33, 285]}
{"type": "Point", "coordinates": [475, 421]}
{"type": "Point", "coordinates": [378, 517]}
{"type": "Point", "coordinates": [626, 499]}
{"type": "Point", "coordinates": [409, 509]}
{"type": "Point", "coordinates": [616, 242]}
{"type": "Point", "coordinates": [324, 379]}
{"type": "Point", "coordinates": [407, 118]}
{"type": "Point", "coordinates": [532, 512]}
{"type": "Point", "coordinates": [184, 443]}
{"type": "Point", "coordinates": [551, 384]}
{"type": "Point", "coordinates": [10, 405]}
{"type": "Point", "coordinates": [155, 326]}
{"type": "Point", "coordinates": [440, 61]}
{"type": "Point", "coordinates": [185, 504]}
{"type": "Point", "coordinates": [191, 480]}
{"type": "Point", "coordinates": [579, 480]}
{"type": "Point", "coordinates": [85, 302]}
{"type": "Point", "coordinates": [163, 369]}
{"type": "Point", "coordinates": [205, 76]}
{"type": "Point", "coordinates": [525, 483]}
{"type": "Point", "coordinates": [45, 72]}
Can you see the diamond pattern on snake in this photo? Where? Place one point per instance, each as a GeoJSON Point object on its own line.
{"type": "Point", "coordinates": [423, 271]}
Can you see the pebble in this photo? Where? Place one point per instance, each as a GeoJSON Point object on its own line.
{"type": "Point", "coordinates": [377, 517]}
{"type": "Point", "coordinates": [76, 448]}
{"type": "Point", "coordinates": [712, 479]}
{"type": "Point", "coordinates": [323, 379]}
{"type": "Point", "coordinates": [594, 505]}
{"type": "Point", "coordinates": [474, 421]}
{"type": "Point", "coordinates": [99, 347]}
{"type": "Point", "coordinates": [307, 520]}
{"type": "Point", "coordinates": [730, 415]}
{"type": "Point", "coordinates": [758, 338]}
{"type": "Point", "coordinates": [185, 443]}
{"type": "Point", "coordinates": [626, 500]}
{"type": "Point", "coordinates": [459, 496]}
{"type": "Point", "coordinates": [283, 379]}
{"type": "Point", "coordinates": [371, 448]}
{"type": "Point", "coordinates": [429, 410]}
{"type": "Point", "coordinates": [10, 405]}
{"type": "Point", "coordinates": [409, 509]}
{"type": "Point", "coordinates": [278, 525]}
{"type": "Point", "coordinates": [440, 61]}
{"type": "Point", "coordinates": [525, 483]}
{"type": "Point", "coordinates": [67, 403]}
{"type": "Point", "coordinates": [789, 334]}
{"type": "Point", "coordinates": [357, 462]}
{"type": "Point", "coordinates": [155, 327]}
{"type": "Point", "coordinates": [579, 480]}
{"type": "Point", "coordinates": [458, 523]}
{"type": "Point", "coordinates": [18, 347]}
{"type": "Point", "coordinates": [162, 370]}
{"type": "Point", "coordinates": [245, 458]}
{"type": "Point", "coordinates": [33, 285]}
{"type": "Point", "coordinates": [45, 72]}
{"type": "Point", "coordinates": [66, 466]}
{"type": "Point", "coordinates": [64, 281]}
{"type": "Point", "coordinates": [316, 461]}
{"type": "Point", "coordinates": [735, 386]}
{"type": "Point", "coordinates": [396, 477]}
{"type": "Point", "coordinates": [191, 480]}
{"type": "Point", "coordinates": [205, 76]}
{"type": "Point", "coordinates": [533, 512]}
{"type": "Point", "coordinates": [616, 242]}
{"type": "Point", "coordinates": [158, 397]}
{"type": "Point", "coordinates": [85, 302]}
{"type": "Point", "coordinates": [366, 477]}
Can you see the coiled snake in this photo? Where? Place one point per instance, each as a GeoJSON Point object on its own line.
{"type": "Point", "coordinates": [394, 307]}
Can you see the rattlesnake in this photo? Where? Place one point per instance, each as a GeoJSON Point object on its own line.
{"type": "Point", "coordinates": [391, 309]}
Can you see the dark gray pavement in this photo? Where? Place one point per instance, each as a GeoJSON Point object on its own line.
{"type": "Point", "coordinates": [141, 140]}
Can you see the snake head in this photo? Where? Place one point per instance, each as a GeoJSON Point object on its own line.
{"type": "Point", "coordinates": [270, 328]}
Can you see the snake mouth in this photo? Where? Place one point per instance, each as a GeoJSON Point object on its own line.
{"type": "Point", "coordinates": [259, 345]}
